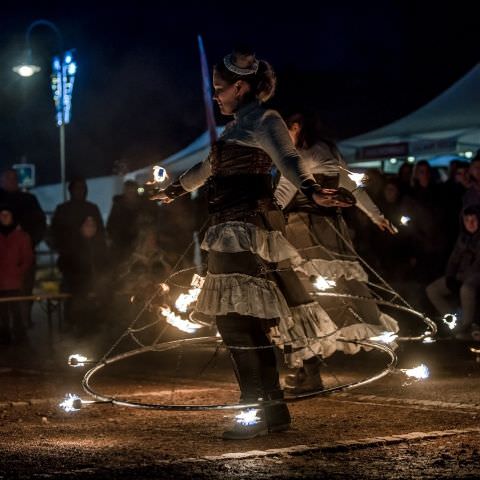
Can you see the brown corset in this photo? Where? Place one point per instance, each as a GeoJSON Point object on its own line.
{"type": "Point", "coordinates": [232, 159]}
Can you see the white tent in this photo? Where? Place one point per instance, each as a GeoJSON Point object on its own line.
{"type": "Point", "coordinates": [450, 123]}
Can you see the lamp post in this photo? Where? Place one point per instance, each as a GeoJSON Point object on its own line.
{"type": "Point", "coordinates": [64, 69]}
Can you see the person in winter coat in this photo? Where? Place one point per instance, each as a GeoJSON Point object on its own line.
{"type": "Point", "coordinates": [462, 276]}
{"type": "Point", "coordinates": [16, 258]}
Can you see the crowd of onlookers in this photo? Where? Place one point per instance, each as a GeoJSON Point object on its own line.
{"type": "Point", "coordinates": [433, 261]}
{"type": "Point", "coordinates": [96, 261]}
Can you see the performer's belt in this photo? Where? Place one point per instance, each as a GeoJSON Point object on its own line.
{"type": "Point", "coordinates": [243, 191]}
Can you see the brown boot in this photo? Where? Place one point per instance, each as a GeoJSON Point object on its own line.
{"type": "Point", "coordinates": [305, 379]}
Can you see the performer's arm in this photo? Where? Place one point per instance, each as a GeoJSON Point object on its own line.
{"type": "Point", "coordinates": [285, 192]}
{"type": "Point", "coordinates": [274, 139]}
{"type": "Point", "coordinates": [189, 181]}
{"type": "Point", "coordinates": [364, 202]}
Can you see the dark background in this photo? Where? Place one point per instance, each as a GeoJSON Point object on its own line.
{"type": "Point", "coordinates": [137, 96]}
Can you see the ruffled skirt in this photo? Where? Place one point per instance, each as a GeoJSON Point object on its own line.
{"type": "Point", "coordinates": [250, 273]}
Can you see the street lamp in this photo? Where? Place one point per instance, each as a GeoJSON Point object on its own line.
{"type": "Point", "coordinates": [64, 69]}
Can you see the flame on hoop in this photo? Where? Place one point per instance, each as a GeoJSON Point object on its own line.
{"type": "Point", "coordinates": [385, 337]}
{"type": "Point", "coordinates": [322, 283]}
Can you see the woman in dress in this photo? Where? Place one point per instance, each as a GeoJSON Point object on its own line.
{"type": "Point", "coordinates": [250, 287]}
{"type": "Point", "coordinates": [322, 237]}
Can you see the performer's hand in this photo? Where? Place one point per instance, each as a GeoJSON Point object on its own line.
{"type": "Point", "coordinates": [332, 197]}
{"type": "Point", "coordinates": [162, 197]}
{"type": "Point", "coordinates": [386, 226]}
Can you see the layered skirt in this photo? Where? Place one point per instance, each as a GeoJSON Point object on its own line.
{"type": "Point", "coordinates": [250, 273]}
{"type": "Point", "coordinates": [325, 245]}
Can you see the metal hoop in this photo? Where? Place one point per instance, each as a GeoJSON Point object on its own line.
{"type": "Point", "coordinates": [164, 346]}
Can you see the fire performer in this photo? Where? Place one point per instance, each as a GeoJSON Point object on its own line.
{"type": "Point", "coordinates": [250, 286]}
{"type": "Point", "coordinates": [321, 235]}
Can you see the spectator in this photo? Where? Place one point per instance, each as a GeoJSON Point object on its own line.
{"type": "Point", "coordinates": [69, 216]}
{"type": "Point", "coordinates": [16, 258]}
{"type": "Point", "coordinates": [462, 276]}
{"type": "Point", "coordinates": [32, 219]}
{"type": "Point", "coordinates": [451, 193]}
{"type": "Point", "coordinates": [129, 215]}
{"type": "Point", "coordinates": [472, 195]}
{"type": "Point", "coordinates": [424, 207]}
{"type": "Point", "coordinates": [84, 267]}
{"type": "Point", "coordinates": [405, 173]}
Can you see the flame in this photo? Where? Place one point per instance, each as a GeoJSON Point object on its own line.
{"type": "Point", "coordinates": [159, 174]}
{"type": "Point", "coordinates": [385, 337]}
{"type": "Point", "coordinates": [404, 220]}
{"type": "Point", "coordinates": [185, 299]}
{"type": "Point", "coordinates": [248, 417]}
{"type": "Point", "coordinates": [72, 403]}
{"type": "Point", "coordinates": [322, 283]}
{"type": "Point", "coordinates": [450, 319]}
{"type": "Point", "coordinates": [358, 178]}
{"type": "Point", "coordinates": [179, 322]}
{"type": "Point", "coordinates": [420, 373]}
{"type": "Point", "coordinates": [77, 360]}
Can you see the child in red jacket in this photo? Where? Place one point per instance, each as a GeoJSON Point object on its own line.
{"type": "Point", "coordinates": [16, 257]}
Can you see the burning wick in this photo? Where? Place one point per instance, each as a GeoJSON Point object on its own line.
{"type": "Point", "coordinates": [358, 178]}
{"type": "Point", "coordinates": [420, 373]}
{"type": "Point", "coordinates": [72, 403]}
{"type": "Point", "coordinates": [450, 319]}
{"type": "Point", "coordinates": [385, 337]}
{"type": "Point", "coordinates": [179, 322]}
{"type": "Point", "coordinates": [185, 299]}
{"type": "Point", "coordinates": [159, 174]}
{"type": "Point", "coordinates": [248, 417]}
{"type": "Point", "coordinates": [404, 220]}
{"type": "Point", "coordinates": [77, 360]}
{"type": "Point", "coordinates": [322, 283]}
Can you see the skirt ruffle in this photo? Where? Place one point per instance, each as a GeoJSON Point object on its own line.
{"type": "Point", "coordinates": [308, 332]}
{"type": "Point", "coordinates": [243, 294]}
{"type": "Point", "coordinates": [234, 237]}
{"type": "Point", "coordinates": [363, 331]}
{"type": "Point", "coordinates": [334, 269]}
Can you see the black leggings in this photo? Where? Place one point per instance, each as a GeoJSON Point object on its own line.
{"type": "Point", "coordinates": [256, 369]}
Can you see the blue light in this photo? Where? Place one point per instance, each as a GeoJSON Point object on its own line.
{"type": "Point", "coordinates": [72, 69]}
{"type": "Point", "coordinates": [56, 64]}
{"type": "Point", "coordinates": [68, 58]}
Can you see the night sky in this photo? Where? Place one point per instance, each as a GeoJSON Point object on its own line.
{"type": "Point", "coordinates": [137, 96]}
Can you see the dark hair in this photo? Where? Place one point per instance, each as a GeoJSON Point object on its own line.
{"type": "Point", "coordinates": [312, 130]}
{"type": "Point", "coordinates": [75, 180]}
{"type": "Point", "coordinates": [472, 210]}
{"type": "Point", "coordinates": [262, 82]}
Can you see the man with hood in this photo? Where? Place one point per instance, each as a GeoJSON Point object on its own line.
{"type": "Point", "coordinates": [462, 276]}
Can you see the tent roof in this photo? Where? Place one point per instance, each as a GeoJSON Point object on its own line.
{"type": "Point", "coordinates": [454, 114]}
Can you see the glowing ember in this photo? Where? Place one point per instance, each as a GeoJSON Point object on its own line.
{"type": "Point", "coordinates": [322, 283]}
{"type": "Point", "coordinates": [248, 417]}
{"type": "Point", "coordinates": [420, 373]}
{"type": "Point", "coordinates": [450, 319]}
{"type": "Point", "coordinates": [72, 403]}
{"type": "Point", "coordinates": [358, 178]}
{"type": "Point", "coordinates": [404, 220]}
{"type": "Point", "coordinates": [77, 360]}
{"type": "Point", "coordinates": [385, 337]}
{"type": "Point", "coordinates": [159, 174]}
{"type": "Point", "coordinates": [179, 322]}
{"type": "Point", "coordinates": [164, 287]}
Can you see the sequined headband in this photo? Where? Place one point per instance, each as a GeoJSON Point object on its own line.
{"type": "Point", "coordinates": [227, 60]}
